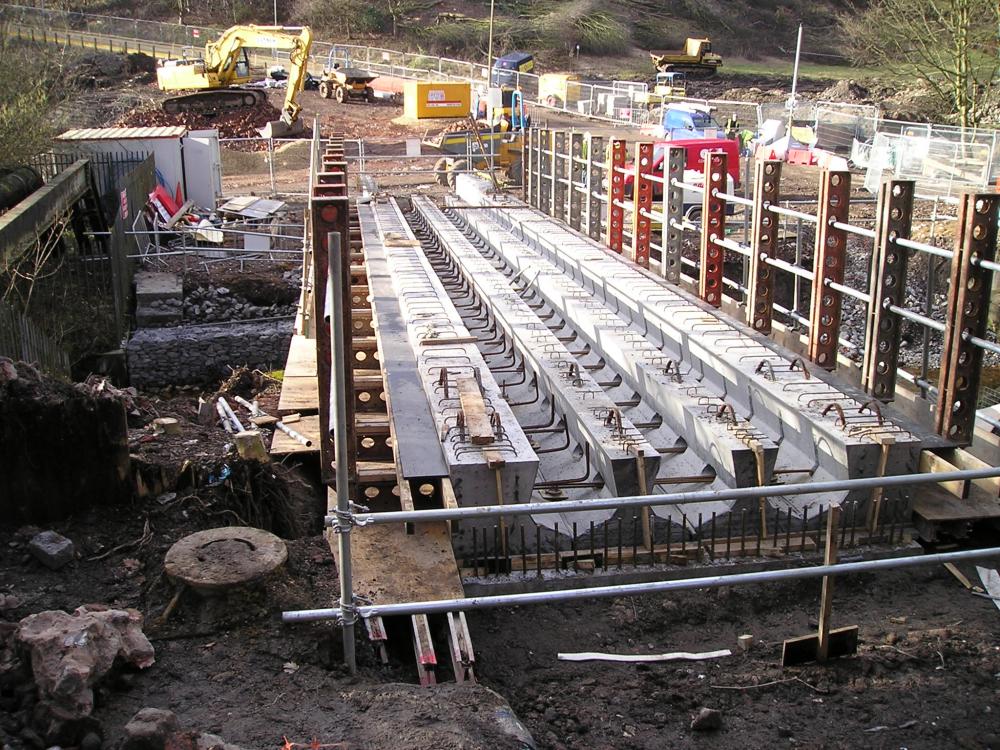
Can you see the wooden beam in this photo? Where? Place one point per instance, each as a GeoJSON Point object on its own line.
{"type": "Point", "coordinates": [477, 421]}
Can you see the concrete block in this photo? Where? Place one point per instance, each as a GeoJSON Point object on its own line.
{"type": "Point", "coordinates": [51, 549]}
{"type": "Point", "coordinates": [151, 286]}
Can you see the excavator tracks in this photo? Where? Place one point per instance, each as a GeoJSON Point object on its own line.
{"type": "Point", "coordinates": [214, 101]}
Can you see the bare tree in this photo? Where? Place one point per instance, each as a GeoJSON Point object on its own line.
{"type": "Point", "coordinates": [20, 272]}
{"type": "Point", "coordinates": [26, 101]}
{"type": "Point", "coordinates": [949, 44]}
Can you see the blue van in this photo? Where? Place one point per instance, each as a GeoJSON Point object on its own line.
{"type": "Point", "coordinates": [506, 68]}
{"type": "Point", "coordinates": [683, 121]}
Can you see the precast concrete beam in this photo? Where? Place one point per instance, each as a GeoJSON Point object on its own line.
{"type": "Point", "coordinates": [420, 456]}
{"type": "Point", "coordinates": [721, 439]}
{"type": "Point", "coordinates": [824, 429]}
{"type": "Point", "coordinates": [446, 353]}
{"type": "Point", "coordinates": [591, 417]}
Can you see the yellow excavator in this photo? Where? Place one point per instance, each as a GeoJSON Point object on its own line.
{"type": "Point", "coordinates": [217, 78]}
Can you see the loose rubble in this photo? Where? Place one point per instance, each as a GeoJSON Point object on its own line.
{"type": "Point", "coordinates": [52, 550]}
{"type": "Point", "coordinates": [241, 123]}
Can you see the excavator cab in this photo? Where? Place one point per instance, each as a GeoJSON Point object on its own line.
{"type": "Point", "coordinates": [242, 68]}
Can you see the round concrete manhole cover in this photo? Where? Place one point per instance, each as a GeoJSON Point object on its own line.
{"type": "Point", "coordinates": [223, 558]}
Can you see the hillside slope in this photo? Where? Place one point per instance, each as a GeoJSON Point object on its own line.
{"type": "Point", "coordinates": [552, 29]}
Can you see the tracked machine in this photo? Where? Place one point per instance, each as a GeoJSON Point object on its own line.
{"type": "Point", "coordinates": [217, 80]}
{"type": "Point", "coordinates": [696, 59]}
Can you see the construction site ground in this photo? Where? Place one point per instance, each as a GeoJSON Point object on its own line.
{"type": "Point", "coordinates": [927, 672]}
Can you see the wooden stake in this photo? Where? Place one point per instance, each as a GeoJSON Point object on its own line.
{"type": "Point", "coordinates": [826, 597]}
{"type": "Point", "coordinates": [647, 532]}
{"type": "Point", "coordinates": [758, 454]}
{"type": "Point", "coordinates": [875, 506]}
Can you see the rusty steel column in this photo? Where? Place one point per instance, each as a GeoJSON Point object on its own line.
{"type": "Point", "coordinates": [713, 227]}
{"type": "Point", "coordinates": [544, 172]}
{"type": "Point", "coordinates": [557, 208]}
{"type": "Point", "coordinates": [329, 212]}
{"type": "Point", "coordinates": [888, 287]}
{"type": "Point", "coordinates": [572, 170]}
{"type": "Point", "coordinates": [616, 193]}
{"type": "Point", "coordinates": [526, 156]}
{"type": "Point", "coordinates": [534, 165]}
{"type": "Point", "coordinates": [968, 310]}
{"type": "Point", "coordinates": [764, 243]}
{"type": "Point", "coordinates": [673, 209]}
{"type": "Point", "coordinates": [595, 146]}
{"type": "Point", "coordinates": [642, 204]}
{"type": "Point", "coordinates": [828, 264]}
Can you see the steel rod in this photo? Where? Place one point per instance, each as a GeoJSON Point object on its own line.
{"type": "Point", "coordinates": [860, 231]}
{"type": "Point", "coordinates": [791, 212]}
{"type": "Point", "coordinates": [675, 498]}
{"type": "Point", "coordinates": [339, 401]}
{"type": "Point", "coordinates": [637, 589]}
{"type": "Point", "coordinates": [924, 247]}
{"type": "Point", "coordinates": [917, 318]}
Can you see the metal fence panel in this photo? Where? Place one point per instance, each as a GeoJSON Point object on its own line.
{"type": "Point", "coordinates": [20, 339]}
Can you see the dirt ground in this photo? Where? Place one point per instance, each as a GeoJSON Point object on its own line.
{"type": "Point", "coordinates": [927, 674]}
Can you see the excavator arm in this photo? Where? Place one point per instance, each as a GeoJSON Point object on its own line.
{"type": "Point", "coordinates": [222, 56]}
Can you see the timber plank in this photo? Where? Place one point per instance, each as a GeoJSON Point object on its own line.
{"type": "Point", "coordinates": [301, 360]}
{"type": "Point", "coordinates": [390, 565]}
{"type": "Point", "coordinates": [939, 506]}
{"type": "Point", "coordinates": [284, 445]}
{"type": "Point", "coordinates": [477, 421]}
{"type": "Point", "coordinates": [298, 393]}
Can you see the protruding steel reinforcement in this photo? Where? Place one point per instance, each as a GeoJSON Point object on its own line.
{"type": "Point", "coordinates": [968, 310]}
{"type": "Point", "coordinates": [713, 217]}
{"type": "Point", "coordinates": [888, 287]}
{"type": "Point", "coordinates": [653, 587]}
{"type": "Point", "coordinates": [616, 193]}
{"type": "Point", "coordinates": [760, 307]}
{"type": "Point", "coordinates": [642, 202]}
{"type": "Point", "coordinates": [831, 253]}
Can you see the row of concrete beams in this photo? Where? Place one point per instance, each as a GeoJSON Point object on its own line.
{"type": "Point", "coordinates": [591, 417]}
{"type": "Point", "coordinates": [738, 454]}
{"type": "Point", "coordinates": [824, 430]}
{"type": "Point", "coordinates": [420, 456]}
{"type": "Point", "coordinates": [496, 467]}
